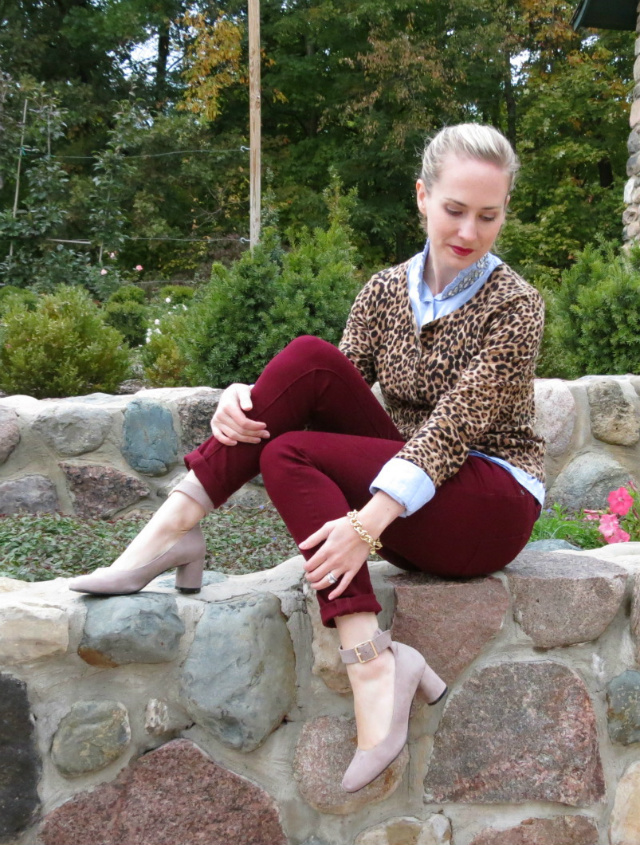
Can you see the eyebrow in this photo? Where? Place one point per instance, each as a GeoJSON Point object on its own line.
{"type": "Point", "coordinates": [484, 207]}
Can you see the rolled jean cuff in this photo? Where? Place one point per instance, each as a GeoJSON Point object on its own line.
{"type": "Point", "coordinates": [198, 465]}
{"type": "Point", "coordinates": [344, 605]}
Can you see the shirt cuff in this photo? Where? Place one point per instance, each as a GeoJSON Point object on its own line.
{"type": "Point", "coordinates": [406, 483]}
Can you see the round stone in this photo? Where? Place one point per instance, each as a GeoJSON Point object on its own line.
{"type": "Point", "coordinates": [623, 714]}
{"type": "Point", "coordinates": [90, 736]}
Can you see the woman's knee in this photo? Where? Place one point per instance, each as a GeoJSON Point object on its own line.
{"type": "Point", "coordinates": [280, 451]}
{"type": "Point", "coordinates": [308, 346]}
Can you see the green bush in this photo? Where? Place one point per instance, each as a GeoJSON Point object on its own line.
{"type": "Point", "coordinates": [163, 362]}
{"type": "Point", "coordinates": [128, 293]}
{"type": "Point", "coordinates": [250, 311]}
{"type": "Point", "coordinates": [11, 294]}
{"type": "Point", "coordinates": [176, 294]}
{"type": "Point", "coordinates": [62, 348]}
{"type": "Point", "coordinates": [593, 322]}
{"type": "Point", "coordinates": [129, 318]}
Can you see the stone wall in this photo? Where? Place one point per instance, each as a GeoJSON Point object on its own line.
{"type": "Point", "coordinates": [225, 717]}
{"type": "Point", "coordinates": [101, 455]}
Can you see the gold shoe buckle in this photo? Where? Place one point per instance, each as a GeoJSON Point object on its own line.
{"type": "Point", "coordinates": [361, 645]}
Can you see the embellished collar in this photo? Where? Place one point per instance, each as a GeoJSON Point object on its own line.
{"type": "Point", "coordinates": [464, 280]}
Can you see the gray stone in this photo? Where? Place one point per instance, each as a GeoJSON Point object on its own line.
{"type": "Point", "coordinates": [20, 764]}
{"type": "Point", "coordinates": [9, 432]}
{"type": "Point", "coordinates": [624, 824]}
{"type": "Point", "coordinates": [195, 414]}
{"type": "Point", "coordinates": [517, 732]}
{"type": "Point", "coordinates": [90, 736]}
{"type": "Point", "coordinates": [633, 162]}
{"type": "Point", "coordinates": [587, 481]}
{"type": "Point", "coordinates": [564, 599]}
{"type": "Point", "coordinates": [629, 215]}
{"type": "Point", "coordinates": [100, 492]}
{"type": "Point", "coordinates": [406, 830]}
{"type": "Point", "coordinates": [150, 443]}
{"type": "Point", "coordinates": [551, 546]}
{"type": "Point", "coordinates": [324, 750]}
{"type": "Point", "coordinates": [31, 493]}
{"type": "Point", "coordinates": [615, 417]}
{"type": "Point", "coordinates": [564, 830]}
{"type": "Point", "coordinates": [555, 414]}
{"type": "Point", "coordinates": [633, 142]}
{"type": "Point", "coordinates": [73, 429]}
{"type": "Point", "coordinates": [239, 679]}
{"type": "Point", "coordinates": [142, 628]}
{"type": "Point", "coordinates": [635, 616]}
{"type": "Point", "coordinates": [175, 795]}
{"type": "Point", "coordinates": [623, 714]}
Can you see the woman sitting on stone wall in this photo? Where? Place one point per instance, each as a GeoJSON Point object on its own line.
{"type": "Point", "coordinates": [448, 480]}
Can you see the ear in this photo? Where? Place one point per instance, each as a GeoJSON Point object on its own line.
{"type": "Point", "coordinates": [421, 197]}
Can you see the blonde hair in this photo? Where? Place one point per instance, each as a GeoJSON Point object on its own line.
{"type": "Point", "coordinates": [468, 140]}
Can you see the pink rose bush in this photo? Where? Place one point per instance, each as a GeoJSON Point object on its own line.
{"type": "Point", "coordinates": [621, 522]}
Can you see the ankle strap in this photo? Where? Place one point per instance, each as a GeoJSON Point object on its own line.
{"type": "Point", "coordinates": [368, 650]}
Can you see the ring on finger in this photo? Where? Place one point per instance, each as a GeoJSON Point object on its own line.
{"type": "Point", "coordinates": [331, 578]}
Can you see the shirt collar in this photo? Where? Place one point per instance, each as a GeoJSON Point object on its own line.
{"type": "Point", "coordinates": [484, 266]}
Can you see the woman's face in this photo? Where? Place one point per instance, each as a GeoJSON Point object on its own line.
{"type": "Point", "coordinates": [464, 210]}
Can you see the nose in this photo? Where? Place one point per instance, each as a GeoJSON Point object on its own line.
{"type": "Point", "coordinates": [468, 228]}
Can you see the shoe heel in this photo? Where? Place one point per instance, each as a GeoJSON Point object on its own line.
{"type": "Point", "coordinates": [189, 576]}
{"type": "Point", "coordinates": [432, 687]}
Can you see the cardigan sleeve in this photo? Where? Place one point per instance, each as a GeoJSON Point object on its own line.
{"type": "Point", "coordinates": [357, 341]}
{"type": "Point", "coordinates": [497, 379]}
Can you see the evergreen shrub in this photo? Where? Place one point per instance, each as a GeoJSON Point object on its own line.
{"type": "Point", "coordinates": [129, 318]}
{"type": "Point", "coordinates": [162, 359]}
{"type": "Point", "coordinates": [62, 348]}
{"type": "Point", "coordinates": [250, 311]}
{"type": "Point", "coordinates": [10, 294]}
{"type": "Point", "coordinates": [176, 294]}
{"type": "Point", "coordinates": [128, 293]}
{"type": "Point", "coordinates": [593, 320]}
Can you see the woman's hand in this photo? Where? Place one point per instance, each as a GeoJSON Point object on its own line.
{"type": "Point", "coordinates": [343, 552]}
{"type": "Point", "coordinates": [230, 425]}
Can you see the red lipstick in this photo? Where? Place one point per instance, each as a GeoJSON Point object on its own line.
{"type": "Point", "coordinates": [459, 250]}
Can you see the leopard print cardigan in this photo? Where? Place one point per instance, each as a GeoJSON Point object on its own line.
{"type": "Point", "coordinates": [465, 381]}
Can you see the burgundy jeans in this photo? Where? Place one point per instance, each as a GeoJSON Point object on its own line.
{"type": "Point", "coordinates": [329, 439]}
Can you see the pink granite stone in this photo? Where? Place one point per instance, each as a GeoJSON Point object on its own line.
{"type": "Point", "coordinates": [564, 830]}
{"type": "Point", "coordinates": [324, 750]}
{"type": "Point", "coordinates": [99, 492]}
{"type": "Point", "coordinates": [175, 795]}
{"type": "Point", "coordinates": [449, 623]}
{"type": "Point", "coordinates": [518, 732]}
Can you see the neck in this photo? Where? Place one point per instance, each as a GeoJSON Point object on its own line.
{"type": "Point", "coordinates": [436, 281]}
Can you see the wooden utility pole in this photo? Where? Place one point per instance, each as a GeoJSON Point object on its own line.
{"type": "Point", "coordinates": [254, 120]}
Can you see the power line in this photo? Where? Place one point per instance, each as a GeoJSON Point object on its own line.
{"type": "Point", "coordinates": [241, 149]}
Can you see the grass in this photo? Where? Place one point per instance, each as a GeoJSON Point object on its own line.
{"type": "Point", "coordinates": [39, 547]}
{"type": "Point", "coordinates": [556, 523]}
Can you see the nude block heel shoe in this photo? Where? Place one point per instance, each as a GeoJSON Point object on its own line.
{"type": "Point", "coordinates": [411, 673]}
{"type": "Point", "coordinates": [187, 554]}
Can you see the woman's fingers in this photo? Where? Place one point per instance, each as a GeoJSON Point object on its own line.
{"type": "Point", "coordinates": [315, 538]}
{"type": "Point", "coordinates": [230, 425]}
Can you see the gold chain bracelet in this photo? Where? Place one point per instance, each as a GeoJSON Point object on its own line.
{"type": "Point", "coordinates": [374, 545]}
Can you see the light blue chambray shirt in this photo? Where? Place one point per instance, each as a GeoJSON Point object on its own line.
{"type": "Point", "coordinates": [402, 480]}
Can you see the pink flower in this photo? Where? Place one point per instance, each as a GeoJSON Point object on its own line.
{"type": "Point", "coordinates": [591, 515]}
{"type": "Point", "coordinates": [620, 536]}
{"type": "Point", "coordinates": [609, 526]}
{"type": "Point", "coordinates": [620, 501]}
{"type": "Point", "coordinates": [138, 267]}
{"type": "Point", "coordinates": [103, 272]}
